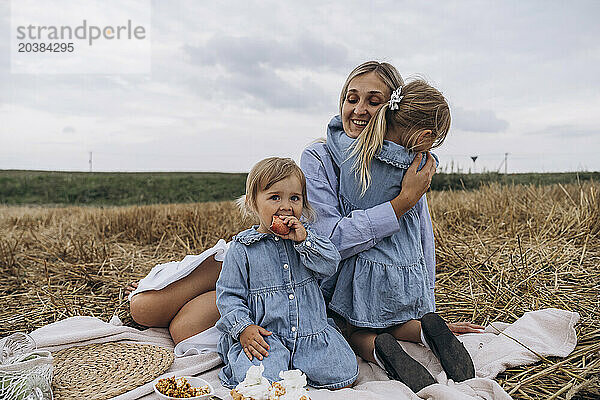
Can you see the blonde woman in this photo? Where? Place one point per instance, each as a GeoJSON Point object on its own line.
{"type": "Point", "coordinates": [384, 293]}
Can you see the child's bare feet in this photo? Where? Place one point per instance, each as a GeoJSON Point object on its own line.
{"type": "Point", "coordinates": [130, 288]}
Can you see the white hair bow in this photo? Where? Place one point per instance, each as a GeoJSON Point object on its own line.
{"type": "Point", "coordinates": [396, 98]}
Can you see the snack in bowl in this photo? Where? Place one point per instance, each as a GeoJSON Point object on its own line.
{"type": "Point", "coordinates": [181, 388]}
{"type": "Point", "coordinates": [278, 226]}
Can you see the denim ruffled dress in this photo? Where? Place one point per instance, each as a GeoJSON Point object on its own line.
{"type": "Point", "coordinates": [387, 284]}
{"type": "Point", "coordinates": [273, 283]}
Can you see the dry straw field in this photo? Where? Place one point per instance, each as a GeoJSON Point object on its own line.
{"type": "Point", "coordinates": [501, 251]}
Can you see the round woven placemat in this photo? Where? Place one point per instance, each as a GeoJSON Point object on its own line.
{"type": "Point", "coordinates": [104, 370]}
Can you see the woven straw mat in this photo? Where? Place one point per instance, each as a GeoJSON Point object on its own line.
{"type": "Point", "coordinates": [104, 370]}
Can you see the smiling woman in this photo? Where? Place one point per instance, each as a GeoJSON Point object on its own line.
{"type": "Point", "coordinates": [383, 290]}
{"type": "Point", "coordinates": [365, 96]}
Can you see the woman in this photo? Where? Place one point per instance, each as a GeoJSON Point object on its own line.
{"type": "Point", "coordinates": [187, 306]}
{"type": "Point", "coordinates": [385, 293]}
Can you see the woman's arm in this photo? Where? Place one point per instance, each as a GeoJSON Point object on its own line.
{"type": "Point", "coordinates": [414, 184]}
{"type": "Point", "coordinates": [362, 229]}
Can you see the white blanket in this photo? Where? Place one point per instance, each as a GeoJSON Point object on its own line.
{"type": "Point", "coordinates": [163, 275]}
{"type": "Point", "coordinates": [548, 332]}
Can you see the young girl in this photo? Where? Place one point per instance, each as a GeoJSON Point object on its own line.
{"type": "Point", "coordinates": [384, 292]}
{"type": "Point", "coordinates": [268, 295]}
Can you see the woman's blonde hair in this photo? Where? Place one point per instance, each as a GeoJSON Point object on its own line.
{"type": "Point", "coordinates": [265, 174]}
{"type": "Point", "coordinates": [422, 108]}
{"type": "Point", "coordinates": [386, 72]}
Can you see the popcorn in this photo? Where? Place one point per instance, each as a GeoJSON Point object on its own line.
{"type": "Point", "coordinates": [180, 388]}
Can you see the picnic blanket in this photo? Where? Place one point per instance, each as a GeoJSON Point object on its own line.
{"type": "Point", "coordinates": [548, 332]}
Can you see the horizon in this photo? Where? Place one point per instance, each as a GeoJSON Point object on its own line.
{"type": "Point", "coordinates": [246, 172]}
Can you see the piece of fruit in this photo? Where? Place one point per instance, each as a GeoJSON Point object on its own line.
{"type": "Point", "coordinates": [279, 227]}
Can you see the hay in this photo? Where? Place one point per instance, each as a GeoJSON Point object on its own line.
{"type": "Point", "coordinates": [501, 251]}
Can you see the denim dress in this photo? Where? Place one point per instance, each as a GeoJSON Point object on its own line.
{"type": "Point", "coordinates": [362, 229]}
{"type": "Point", "coordinates": [273, 283]}
{"type": "Point", "coordinates": [387, 284]}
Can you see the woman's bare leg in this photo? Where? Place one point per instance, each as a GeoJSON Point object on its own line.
{"type": "Point", "coordinates": [363, 340]}
{"type": "Point", "coordinates": [157, 308]}
{"type": "Point", "coordinates": [197, 315]}
{"type": "Point", "coordinates": [363, 343]}
{"type": "Point", "coordinates": [409, 331]}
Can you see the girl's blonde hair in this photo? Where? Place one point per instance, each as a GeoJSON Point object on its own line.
{"type": "Point", "coordinates": [386, 72]}
{"type": "Point", "coordinates": [422, 108]}
{"type": "Point", "coordinates": [265, 174]}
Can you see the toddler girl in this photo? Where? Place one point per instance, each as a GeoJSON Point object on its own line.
{"type": "Point", "coordinates": [268, 295]}
{"type": "Point", "coordinates": [383, 293]}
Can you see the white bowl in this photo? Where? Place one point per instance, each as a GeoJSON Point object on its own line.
{"type": "Point", "coordinates": [194, 381]}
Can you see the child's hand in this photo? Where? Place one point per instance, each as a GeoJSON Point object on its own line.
{"type": "Point", "coordinates": [253, 343]}
{"type": "Point", "coordinates": [297, 230]}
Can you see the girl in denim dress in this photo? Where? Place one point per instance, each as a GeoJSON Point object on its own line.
{"type": "Point", "coordinates": [268, 295]}
{"type": "Point", "coordinates": [383, 293]}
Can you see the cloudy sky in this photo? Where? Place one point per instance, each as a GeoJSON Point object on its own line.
{"type": "Point", "coordinates": [233, 82]}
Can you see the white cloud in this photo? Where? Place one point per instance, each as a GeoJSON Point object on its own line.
{"type": "Point", "coordinates": [568, 131]}
{"type": "Point", "coordinates": [477, 120]}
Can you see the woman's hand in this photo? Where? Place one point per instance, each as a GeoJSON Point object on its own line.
{"type": "Point", "coordinates": [253, 343]}
{"type": "Point", "coordinates": [297, 230]}
{"type": "Point", "coordinates": [414, 184]}
{"type": "Point", "coordinates": [458, 328]}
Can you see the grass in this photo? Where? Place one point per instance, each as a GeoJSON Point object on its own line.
{"type": "Point", "coordinates": [119, 188]}
{"type": "Point", "coordinates": [443, 181]}
{"type": "Point", "coordinates": [108, 188]}
{"type": "Point", "coordinates": [501, 251]}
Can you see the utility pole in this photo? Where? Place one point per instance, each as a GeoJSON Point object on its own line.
{"type": "Point", "coordinates": [90, 161]}
{"type": "Point", "coordinates": [505, 163]}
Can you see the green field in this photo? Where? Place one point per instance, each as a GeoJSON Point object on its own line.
{"type": "Point", "coordinates": [121, 188]}
{"type": "Point", "coordinates": [108, 188]}
{"type": "Point", "coordinates": [443, 181]}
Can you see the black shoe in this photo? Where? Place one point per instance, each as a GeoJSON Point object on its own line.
{"type": "Point", "coordinates": [399, 365]}
{"type": "Point", "coordinates": [453, 356]}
